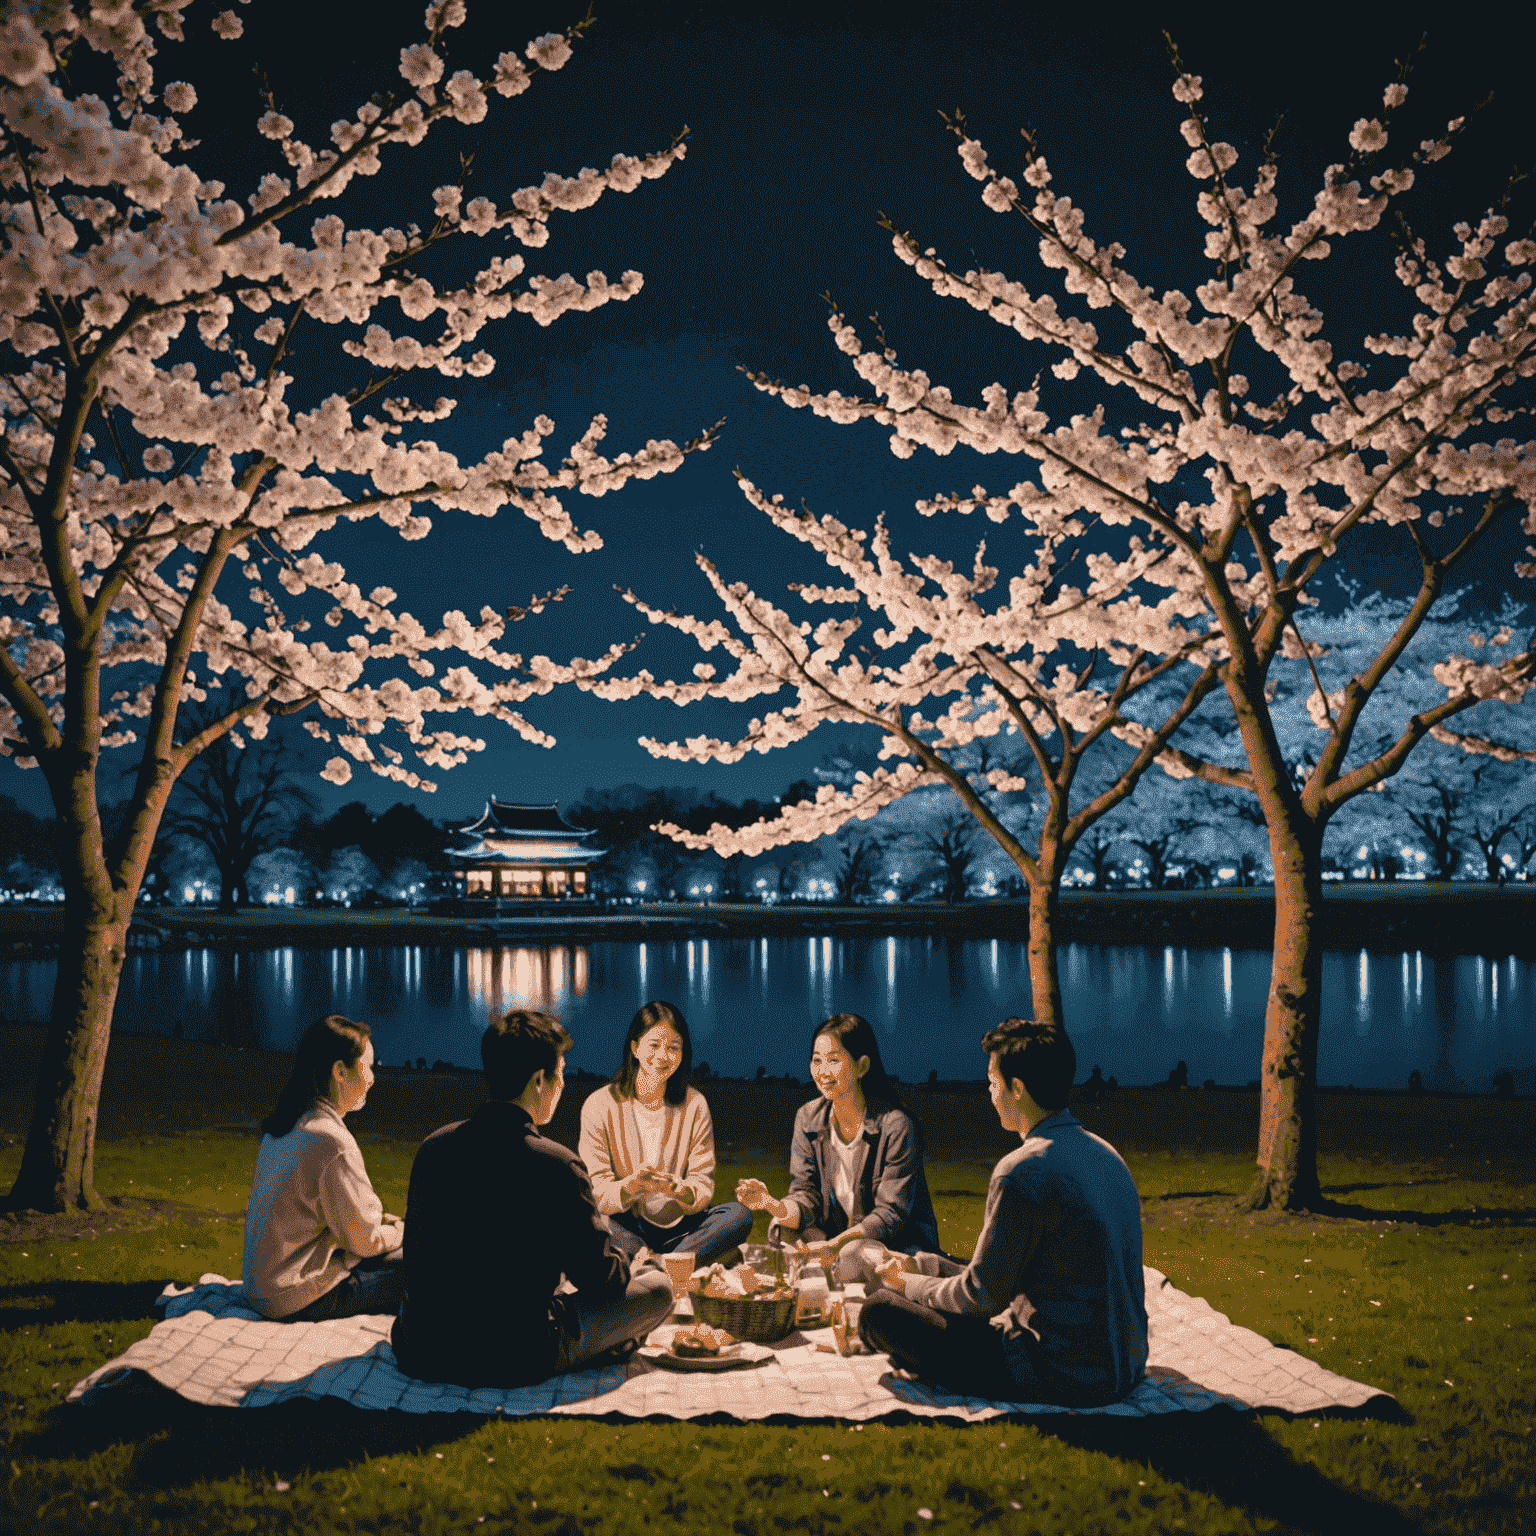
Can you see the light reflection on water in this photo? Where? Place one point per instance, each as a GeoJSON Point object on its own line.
{"type": "Point", "coordinates": [1134, 1010]}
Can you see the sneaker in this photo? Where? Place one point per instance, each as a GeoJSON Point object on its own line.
{"type": "Point", "coordinates": [619, 1354]}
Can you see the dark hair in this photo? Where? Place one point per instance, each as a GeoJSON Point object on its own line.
{"type": "Point", "coordinates": [321, 1046]}
{"type": "Point", "coordinates": [513, 1048]}
{"type": "Point", "coordinates": [622, 1084]}
{"type": "Point", "coordinates": [1039, 1055]}
{"type": "Point", "coordinates": [856, 1035]}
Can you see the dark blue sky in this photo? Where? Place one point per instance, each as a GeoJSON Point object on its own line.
{"type": "Point", "coordinates": [807, 121]}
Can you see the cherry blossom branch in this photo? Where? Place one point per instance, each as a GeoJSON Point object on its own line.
{"type": "Point", "coordinates": [1503, 752]}
{"type": "Point", "coordinates": [1154, 748]}
{"type": "Point", "coordinates": [1509, 681]}
{"type": "Point", "coordinates": [31, 712]}
{"type": "Point", "coordinates": [1359, 690]}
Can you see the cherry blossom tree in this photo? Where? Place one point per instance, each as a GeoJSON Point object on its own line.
{"type": "Point", "coordinates": [1003, 670]}
{"type": "Point", "coordinates": [1253, 447]}
{"type": "Point", "coordinates": [203, 381]}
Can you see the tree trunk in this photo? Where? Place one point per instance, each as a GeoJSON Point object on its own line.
{"type": "Point", "coordinates": [57, 1167]}
{"type": "Point", "coordinates": [1045, 982]}
{"type": "Point", "coordinates": [1287, 1157]}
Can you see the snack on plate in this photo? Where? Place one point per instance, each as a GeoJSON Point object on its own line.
{"type": "Point", "coordinates": [699, 1340]}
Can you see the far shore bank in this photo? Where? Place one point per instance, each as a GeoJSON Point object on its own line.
{"type": "Point", "coordinates": [198, 1086]}
{"type": "Point", "coordinates": [1459, 917]}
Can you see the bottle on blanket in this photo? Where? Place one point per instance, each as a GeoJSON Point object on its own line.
{"type": "Point", "coordinates": [814, 1294]}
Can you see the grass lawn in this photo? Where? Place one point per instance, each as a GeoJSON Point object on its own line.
{"type": "Point", "coordinates": [1422, 1282]}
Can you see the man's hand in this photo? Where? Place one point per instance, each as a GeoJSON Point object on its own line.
{"type": "Point", "coordinates": [892, 1270]}
{"type": "Point", "coordinates": [825, 1250]}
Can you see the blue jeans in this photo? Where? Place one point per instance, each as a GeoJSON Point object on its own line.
{"type": "Point", "coordinates": [374, 1285]}
{"type": "Point", "coordinates": [644, 1305]}
{"type": "Point", "coordinates": [706, 1234]}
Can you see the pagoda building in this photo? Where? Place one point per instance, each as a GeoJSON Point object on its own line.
{"type": "Point", "coordinates": [523, 851]}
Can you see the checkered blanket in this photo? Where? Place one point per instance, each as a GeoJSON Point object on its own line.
{"type": "Point", "coordinates": [213, 1349]}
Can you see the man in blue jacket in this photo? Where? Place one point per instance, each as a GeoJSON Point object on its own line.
{"type": "Point", "coordinates": [1051, 1308]}
{"type": "Point", "coordinates": [498, 1213]}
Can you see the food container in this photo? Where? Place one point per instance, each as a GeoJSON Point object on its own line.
{"type": "Point", "coordinates": [765, 1259]}
{"type": "Point", "coordinates": [760, 1319]}
{"type": "Point", "coordinates": [814, 1296]}
{"type": "Point", "coordinates": [845, 1325]}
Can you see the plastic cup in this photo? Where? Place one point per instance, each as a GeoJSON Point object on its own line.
{"type": "Point", "coordinates": [679, 1266]}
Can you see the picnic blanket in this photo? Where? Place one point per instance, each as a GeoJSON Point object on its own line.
{"type": "Point", "coordinates": [213, 1349]}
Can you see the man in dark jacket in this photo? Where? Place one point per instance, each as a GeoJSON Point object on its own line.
{"type": "Point", "coordinates": [497, 1214]}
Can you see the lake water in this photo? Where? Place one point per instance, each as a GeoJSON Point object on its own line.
{"type": "Point", "coordinates": [1134, 1010]}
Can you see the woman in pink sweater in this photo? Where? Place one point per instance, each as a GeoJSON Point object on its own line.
{"type": "Point", "coordinates": [649, 1148]}
{"type": "Point", "coordinates": [318, 1243]}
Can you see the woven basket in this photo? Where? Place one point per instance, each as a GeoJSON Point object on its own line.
{"type": "Point", "coordinates": [765, 1260]}
{"type": "Point", "coordinates": [747, 1317]}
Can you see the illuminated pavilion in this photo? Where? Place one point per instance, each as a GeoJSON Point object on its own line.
{"type": "Point", "coordinates": [523, 851]}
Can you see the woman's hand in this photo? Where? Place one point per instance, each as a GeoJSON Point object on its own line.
{"type": "Point", "coordinates": [646, 1181]}
{"type": "Point", "coordinates": [753, 1194]}
{"type": "Point", "coordinates": [892, 1270]}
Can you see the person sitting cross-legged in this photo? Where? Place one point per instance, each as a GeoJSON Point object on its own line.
{"type": "Point", "coordinates": [1051, 1308]}
{"type": "Point", "coordinates": [318, 1242]}
{"type": "Point", "coordinates": [857, 1188]}
{"type": "Point", "coordinates": [648, 1143]}
{"type": "Point", "coordinates": [495, 1214]}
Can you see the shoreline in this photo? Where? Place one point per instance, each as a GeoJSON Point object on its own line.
{"type": "Point", "coordinates": [1459, 917]}
{"type": "Point", "coordinates": [23, 1044]}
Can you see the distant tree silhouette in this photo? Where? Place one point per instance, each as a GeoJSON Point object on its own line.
{"type": "Point", "coordinates": [954, 845]}
{"type": "Point", "coordinates": [1162, 849]}
{"type": "Point", "coordinates": [26, 837]}
{"type": "Point", "coordinates": [1096, 850]}
{"type": "Point", "coordinates": [1527, 839]}
{"type": "Point", "coordinates": [1438, 828]}
{"type": "Point", "coordinates": [858, 863]}
{"type": "Point", "coordinates": [1490, 838]}
{"type": "Point", "coordinates": [238, 800]}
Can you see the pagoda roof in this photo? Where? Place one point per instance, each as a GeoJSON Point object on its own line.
{"type": "Point", "coordinates": [572, 857]}
{"type": "Point", "coordinates": [500, 819]}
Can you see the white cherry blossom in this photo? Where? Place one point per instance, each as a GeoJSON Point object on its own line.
{"type": "Point", "coordinates": [167, 487]}
{"type": "Point", "coordinates": [1020, 675]}
{"type": "Point", "coordinates": [1245, 440]}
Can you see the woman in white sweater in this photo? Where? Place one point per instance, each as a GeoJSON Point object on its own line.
{"type": "Point", "coordinates": [649, 1147]}
{"type": "Point", "coordinates": [318, 1243]}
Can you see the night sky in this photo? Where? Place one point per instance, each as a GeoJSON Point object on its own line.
{"type": "Point", "coordinates": [807, 122]}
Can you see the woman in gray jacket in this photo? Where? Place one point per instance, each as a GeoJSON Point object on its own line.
{"type": "Point", "coordinates": [856, 1184]}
